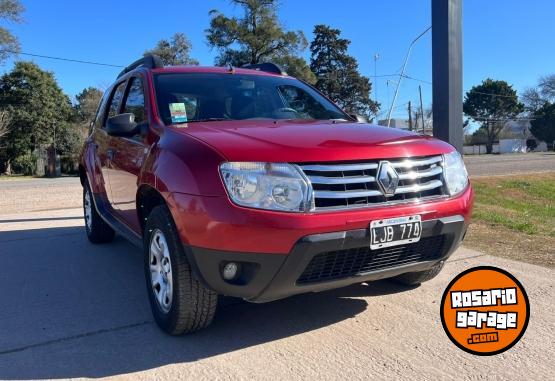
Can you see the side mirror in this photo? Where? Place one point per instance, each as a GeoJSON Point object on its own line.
{"type": "Point", "coordinates": [121, 125]}
{"type": "Point", "coordinates": [358, 118]}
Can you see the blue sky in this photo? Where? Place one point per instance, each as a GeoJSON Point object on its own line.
{"type": "Point", "coordinates": [503, 39]}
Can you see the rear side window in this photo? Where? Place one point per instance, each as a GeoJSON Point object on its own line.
{"type": "Point", "coordinates": [135, 102]}
{"type": "Point", "coordinates": [116, 100]}
{"type": "Point", "coordinates": [97, 121]}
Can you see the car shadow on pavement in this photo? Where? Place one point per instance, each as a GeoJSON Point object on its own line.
{"type": "Point", "coordinates": [73, 309]}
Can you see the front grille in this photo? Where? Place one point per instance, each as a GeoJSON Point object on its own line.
{"type": "Point", "coordinates": [351, 185]}
{"type": "Point", "coordinates": [351, 262]}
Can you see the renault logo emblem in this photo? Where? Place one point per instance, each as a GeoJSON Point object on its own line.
{"type": "Point", "coordinates": [387, 178]}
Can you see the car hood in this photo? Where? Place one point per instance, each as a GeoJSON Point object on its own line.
{"type": "Point", "coordinates": [310, 141]}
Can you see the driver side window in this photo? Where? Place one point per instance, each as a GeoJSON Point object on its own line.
{"type": "Point", "coordinates": [300, 101]}
{"type": "Point", "coordinates": [135, 102]}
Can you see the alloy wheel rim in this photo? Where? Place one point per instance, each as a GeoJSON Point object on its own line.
{"type": "Point", "coordinates": [161, 278]}
{"type": "Point", "coordinates": [88, 209]}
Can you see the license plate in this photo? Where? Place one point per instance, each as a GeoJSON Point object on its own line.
{"type": "Point", "coordinates": [395, 231]}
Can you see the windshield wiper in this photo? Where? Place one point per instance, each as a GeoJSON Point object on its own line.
{"type": "Point", "coordinates": [207, 120]}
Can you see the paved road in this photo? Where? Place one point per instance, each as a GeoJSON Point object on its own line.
{"type": "Point", "coordinates": [39, 194]}
{"type": "Point", "coordinates": [71, 309]}
{"type": "Point", "coordinates": [484, 165]}
{"type": "Point", "coordinates": [43, 194]}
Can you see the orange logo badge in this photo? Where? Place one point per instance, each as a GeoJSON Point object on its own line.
{"type": "Point", "coordinates": [485, 310]}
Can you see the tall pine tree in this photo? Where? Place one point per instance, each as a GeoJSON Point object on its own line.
{"type": "Point", "coordinates": [257, 37]}
{"type": "Point", "coordinates": [337, 72]}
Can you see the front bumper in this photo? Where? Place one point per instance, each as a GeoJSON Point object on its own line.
{"type": "Point", "coordinates": [218, 224]}
{"type": "Point", "coordinates": [325, 261]}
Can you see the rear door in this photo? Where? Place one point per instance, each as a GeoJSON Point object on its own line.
{"type": "Point", "coordinates": [128, 156]}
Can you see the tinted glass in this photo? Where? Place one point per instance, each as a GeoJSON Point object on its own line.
{"type": "Point", "coordinates": [135, 102]}
{"type": "Point", "coordinates": [190, 97]}
{"type": "Point", "coordinates": [116, 100]}
{"type": "Point", "coordinates": [97, 123]}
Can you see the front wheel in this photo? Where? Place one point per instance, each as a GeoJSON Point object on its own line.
{"type": "Point", "coordinates": [179, 302]}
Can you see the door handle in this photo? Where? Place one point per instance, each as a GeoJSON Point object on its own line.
{"type": "Point", "coordinates": [110, 153]}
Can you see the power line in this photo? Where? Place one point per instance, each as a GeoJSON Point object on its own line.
{"type": "Point", "coordinates": [61, 58]}
{"type": "Point", "coordinates": [122, 66]}
{"type": "Point", "coordinates": [490, 94]}
{"type": "Point", "coordinates": [416, 79]}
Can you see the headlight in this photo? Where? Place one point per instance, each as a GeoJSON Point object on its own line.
{"type": "Point", "coordinates": [454, 173]}
{"type": "Point", "coordinates": [272, 186]}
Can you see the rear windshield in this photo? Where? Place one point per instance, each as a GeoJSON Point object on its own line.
{"type": "Point", "coordinates": [193, 97]}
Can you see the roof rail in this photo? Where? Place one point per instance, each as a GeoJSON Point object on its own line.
{"type": "Point", "coordinates": [268, 67]}
{"type": "Point", "coordinates": [150, 61]}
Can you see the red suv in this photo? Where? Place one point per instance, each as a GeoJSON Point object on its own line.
{"type": "Point", "coordinates": [249, 183]}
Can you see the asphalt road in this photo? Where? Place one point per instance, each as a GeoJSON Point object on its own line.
{"type": "Point", "coordinates": [45, 194]}
{"type": "Point", "coordinates": [486, 165]}
{"type": "Point", "coordinates": [72, 309]}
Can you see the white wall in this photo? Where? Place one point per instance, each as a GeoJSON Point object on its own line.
{"type": "Point", "coordinates": [512, 145]}
{"type": "Point", "coordinates": [479, 149]}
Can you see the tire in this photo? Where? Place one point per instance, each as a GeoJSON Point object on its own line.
{"type": "Point", "coordinates": [190, 306]}
{"type": "Point", "coordinates": [415, 278]}
{"type": "Point", "coordinates": [97, 230]}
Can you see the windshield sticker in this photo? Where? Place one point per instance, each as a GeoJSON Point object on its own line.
{"type": "Point", "coordinates": [178, 112]}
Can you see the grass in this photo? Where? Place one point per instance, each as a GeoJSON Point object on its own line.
{"type": "Point", "coordinates": [514, 216]}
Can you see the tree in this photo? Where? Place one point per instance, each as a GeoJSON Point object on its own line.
{"type": "Point", "coordinates": [10, 10]}
{"type": "Point", "coordinates": [543, 124]}
{"type": "Point", "coordinates": [87, 104]}
{"type": "Point", "coordinates": [37, 107]}
{"type": "Point", "coordinates": [175, 51]}
{"type": "Point", "coordinates": [492, 104]}
{"type": "Point", "coordinates": [296, 67]}
{"type": "Point", "coordinates": [76, 130]}
{"type": "Point", "coordinates": [337, 72]}
{"type": "Point", "coordinates": [534, 98]}
{"type": "Point", "coordinates": [257, 37]}
{"type": "Point", "coordinates": [4, 124]}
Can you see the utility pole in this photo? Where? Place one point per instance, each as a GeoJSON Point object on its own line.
{"type": "Point", "coordinates": [376, 57]}
{"type": "Point", "coordinates": [403, 73]}
{"type": "Point", "coordinates": [421, 109]}
{"type": "Point", "coordinates": [410, 116]}
{"type": "Point", "coordinates": [447, 71]}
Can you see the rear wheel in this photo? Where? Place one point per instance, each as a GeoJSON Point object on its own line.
{"type": "Point", "coordinates": [97, 230]}
{"type": "Point", "coordinates": [415, 278]}
{"type": "Point", "coordinates": [179, 302]}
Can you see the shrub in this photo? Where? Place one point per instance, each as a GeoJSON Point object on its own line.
{"type": "Point", "coordinates": [25, 164]}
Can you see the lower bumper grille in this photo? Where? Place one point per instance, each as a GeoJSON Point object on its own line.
{"type": "Point", "coordinates": [351, 262]}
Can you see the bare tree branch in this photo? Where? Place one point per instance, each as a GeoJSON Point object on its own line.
{"type": "Point", "coordinates": [5, 120]}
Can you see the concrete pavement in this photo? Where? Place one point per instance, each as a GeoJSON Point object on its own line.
{"type": "Point", "coordinates": [72, 309]}
{"type": "Point", "coordinates": [508, 164]}
{"type": "Point", "coordinates": [42, 194]}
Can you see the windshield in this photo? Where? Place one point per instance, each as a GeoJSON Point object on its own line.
{"type": "Point", "coordinates": [193, 97]}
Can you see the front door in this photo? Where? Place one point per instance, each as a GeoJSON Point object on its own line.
{"type": "Point", "coordinates": [128, 157]}
{"type": "Point", "coordinates": [104, 142]}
